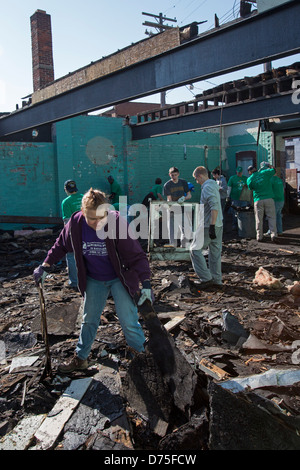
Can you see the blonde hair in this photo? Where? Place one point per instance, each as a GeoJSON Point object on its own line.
{"type": "Point", "coordinates": [92, 199]}
{"type": "Point", "coordinates": [200, 170]}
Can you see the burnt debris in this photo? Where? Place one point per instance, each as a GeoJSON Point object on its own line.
{"type": "Point", "coordinates": [238, 343]}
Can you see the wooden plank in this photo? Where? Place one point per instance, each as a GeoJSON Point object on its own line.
{"type": "Point", "coordinates": [50, 429]}
{"type": "Point", "coordinates": [22, 434]}
{"type": "Point", "coordinates": [174, 322]}
{"type": "Point", "coordinates": [171, 314]}
{"type": "Point", "coordinates": [212, 370]}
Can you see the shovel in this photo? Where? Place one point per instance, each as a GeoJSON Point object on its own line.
{"type": "Point", "coordinates": [47, 369]}
{"type": "Point", "coordinates": [175, 369]}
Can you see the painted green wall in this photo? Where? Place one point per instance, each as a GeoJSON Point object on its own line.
{"type": "Point", "coordinates": [27, 180]}
{"type": "Point", "coordinates": [151, 158]}
{"type": "Point", "coordinates": [244, 137]}
{"type": "Point", "coordinates": [89, 148]}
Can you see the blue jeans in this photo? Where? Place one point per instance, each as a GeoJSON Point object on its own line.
{"type": "Point", "coordinates": [94, 302]}
{"type": "Point", "coordinates": [214, 270]}
{"type": "Point", "coordinates": [233, 212]}
{"type": "Point", "coordinates": [72, 270]}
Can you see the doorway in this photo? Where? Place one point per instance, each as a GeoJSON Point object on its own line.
{"type": "Point", "coordinates": [245, 159]}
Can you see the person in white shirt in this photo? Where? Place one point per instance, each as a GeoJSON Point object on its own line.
{"type": "Point", "coordinates": [210, 274]}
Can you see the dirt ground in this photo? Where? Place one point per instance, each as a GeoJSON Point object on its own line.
{"type": "Point", "coordinates": [237, 330]}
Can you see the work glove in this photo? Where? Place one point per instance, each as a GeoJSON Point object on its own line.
{"type": "Point", "coordinates": [39, 274]}
{"type": "Point", "coordinates": [212, 232]}
{"type": "Point", "coordinates": [181, 199]}
{"type": "Point", "coordinates": [146, 293]}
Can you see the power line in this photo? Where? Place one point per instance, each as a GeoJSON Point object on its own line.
{"type": "Point", "coordinates": [199, 6]}
{"type": "Point", "coordinates": [174, 6]}
{"type": "Point", "coordinates": [230, 14]}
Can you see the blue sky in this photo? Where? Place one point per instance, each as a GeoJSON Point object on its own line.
{"type": "Point", "coordinates": [85, 31]}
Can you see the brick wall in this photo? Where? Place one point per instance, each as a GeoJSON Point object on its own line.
{"type": "Point", "coordinates": [130, 55]}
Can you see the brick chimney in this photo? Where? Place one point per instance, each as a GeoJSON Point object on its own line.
{"type": "Point", "coordinates": [41, 46]}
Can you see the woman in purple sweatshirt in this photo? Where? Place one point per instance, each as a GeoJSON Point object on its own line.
{"type": "Point", "coordinates": [108, 260]}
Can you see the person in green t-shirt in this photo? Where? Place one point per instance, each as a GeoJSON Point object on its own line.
{"type": "Point", "coordinates": [278, 190]}
{"type": "Point", "coordinates": [157, 189]}
{"type": "Point", "coordinates": [71, 204]}
{"type": "Point", "coordinates": [115, 190]}
{"type": "Point", "coordinates": [154, 194]}
{"type": "Point", "coordinates": [260, 183]}
{"type": "Point", "coordinates": [235, 186]}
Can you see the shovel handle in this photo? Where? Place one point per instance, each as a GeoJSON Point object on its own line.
{"type": "Point", "coordinates": [44, 330]}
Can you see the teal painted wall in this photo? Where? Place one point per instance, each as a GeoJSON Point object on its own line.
{"type": "Point", "coordinates": [151, 158]}
{"type": "Point", "coordinates": [89, 148]}
{"type": "Point", "coordinates": [27, 180]}
{"type": "Point", "coordinates": [244, 137]}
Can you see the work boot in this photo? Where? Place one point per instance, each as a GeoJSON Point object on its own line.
{"type": "Point", "coordinates": [205, 284]}
{"type": "Point", "coordinates": [74, 364]}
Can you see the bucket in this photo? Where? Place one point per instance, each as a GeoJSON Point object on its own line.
{"type": "Point", "coordinates": [246, 224]}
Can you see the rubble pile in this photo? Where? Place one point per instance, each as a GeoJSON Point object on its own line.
{"type": "Point", "coordinates": [241, 341]}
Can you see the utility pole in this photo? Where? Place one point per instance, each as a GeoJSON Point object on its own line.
{"type": "Point", "coordinates": [160, 27]}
